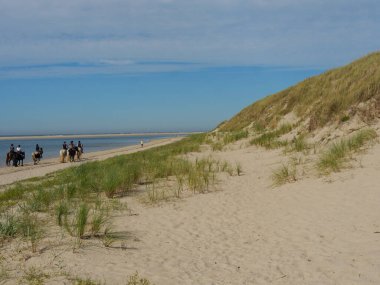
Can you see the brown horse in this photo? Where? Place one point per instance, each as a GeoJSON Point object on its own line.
{"type": "Point", "coordinates": [9, 158]}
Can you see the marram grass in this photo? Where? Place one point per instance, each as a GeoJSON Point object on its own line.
{"type": "Point", "coordinates": [334, 158]}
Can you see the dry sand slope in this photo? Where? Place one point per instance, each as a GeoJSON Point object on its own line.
{"type": "Point", "coordinates": [314, 231]}
{"type": "Point", "coordinates": [11, 174]}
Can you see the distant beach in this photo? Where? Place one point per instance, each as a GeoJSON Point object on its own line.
{"type": "Point", "coordinates": [51, 144]}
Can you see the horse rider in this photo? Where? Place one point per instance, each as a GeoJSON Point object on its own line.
{"type": "Point", "coordinates": [64, 146]}
{"type": "Point", "coordinates": [18, 149]}
{"type": "Point", "coordinates": [80, 145]}
{"type": "Point", "coordinates": [71, 145]}
{"type": "Point", "coordinates": [11, 149]}
{"type": "Point", "coordinates": [37, 148]}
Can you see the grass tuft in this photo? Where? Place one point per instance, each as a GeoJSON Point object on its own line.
{"type": "Point", "coordinates": [335, 157]}
{"type": "Point", "coordinates": [285, 174]}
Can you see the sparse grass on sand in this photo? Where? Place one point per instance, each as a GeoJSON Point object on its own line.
{"type": "Point", "coordinates": [270, 140]}
{"type": "Point", "coordinates": [336, 156]}
{"type": "Point", "coordinates": [80, 198]}
{"type": "Point", "coordinates": [285, 174]}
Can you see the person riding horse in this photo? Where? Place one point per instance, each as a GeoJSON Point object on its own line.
{"type": "Point", "coordinates": [72, 151]}
{"type": "Point", "coordinates": [10, 155]}
{"type": "Point", "coordinates": [16, 157]}
{"type": "Point", "coordinates": [37, 155]}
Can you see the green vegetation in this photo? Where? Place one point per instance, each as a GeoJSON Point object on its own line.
{"type": "Point", "coordinates": [298, 144]}
{"type": "Point", "coordinates": [285, 174]}
{"type": "Point", "coordinates": [223, 139]}
{"type": "Point", "coordinates": [322, 99]}
{"type": "Point", "coordinates": [270, 140]}
{"type": "Point", "coordinates": [232, 137]}
{"type": "Point", "coordinates": [34, 276]}
{"type": "Point", "coordinates": [77, 196]}
{"type": "Point", "coordinates": [137, 280]}
{"type": "Point", "coordinates": [336, 156]}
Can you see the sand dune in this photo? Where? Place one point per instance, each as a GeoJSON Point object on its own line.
{"type": "Point", "coordinates": [314, 231]}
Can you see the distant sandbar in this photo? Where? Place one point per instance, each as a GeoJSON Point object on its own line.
{"type": "Point", "coordinates": [90, 136]}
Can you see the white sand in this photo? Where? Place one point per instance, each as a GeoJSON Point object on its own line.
{"type": "Point", "coordinates": [314, 231]}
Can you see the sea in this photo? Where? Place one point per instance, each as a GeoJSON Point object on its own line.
{"type": "Point", "coordinates": [51, 147]}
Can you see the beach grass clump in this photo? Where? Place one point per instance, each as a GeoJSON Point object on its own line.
{"type": "Point", "coordinates": [284, 174]}
{"type": "Point", "coordinates": [8, 226]}
{"type": "Point", "coordinates": [136, 279]}
{"type": "Point", "coordinates": [337, 155]}
{"type": "Point", "coordinates": [298, 144]}
{"type": "Point", "coordinates": [81, 219]}
{"type": "Point", "coordinates": [234, 136]}
{"type": "Point", "coordinates": [217, 146]}
{"type": "Point", "coordinates": [35, 276]}
{"type": "Point", "coordinates": [26, 226]}
{"type": "Point", "coordinates": [270, 140]}
{"type": "Point", "coordinates": [30, 228]}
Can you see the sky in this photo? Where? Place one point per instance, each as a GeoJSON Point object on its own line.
{"type": "Point", "coordinates": [80, 66]}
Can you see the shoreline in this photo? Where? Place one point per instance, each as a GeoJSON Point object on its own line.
{"type": "Point", "coordinates": [9, 175]}
{"type": "Point", "coordinates": [75, 136]}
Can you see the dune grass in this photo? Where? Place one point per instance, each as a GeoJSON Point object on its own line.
{"type": "Point", "coordinates": [298, 144]}
{"type": "Point", "coordinates": [270, 139]}
{"type": "Point", "coordinates": [284, 174]}
{"type": "Point", "coordinates": [322, 99]}
{"type": "Point", "coordinates": [334, 158]}
{"type": "Point", "coordinates": [73, 196]}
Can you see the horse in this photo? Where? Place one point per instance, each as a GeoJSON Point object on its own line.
{"type": "Point", "coordinates": [20, 158]}
{"type": "Point", "coordinates": [37, 155]}
{"type": "Point", "coordinates": [63, 155]}
{"type": "Point", "coordinates": [17, 158]}
{"type": "Point", "coordinates": [9, 158]}
{"type": "Point", "coordinates": [72, 153]}
{"type": "Point", "coordinates": [79, 152]}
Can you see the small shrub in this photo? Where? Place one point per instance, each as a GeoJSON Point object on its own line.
{"type": "Point", "coordinates": [345, 118]}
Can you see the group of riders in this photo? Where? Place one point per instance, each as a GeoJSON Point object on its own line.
{"type": "Point", "coordinates": [16, 156]}
{"type": "Point", "coordinates": [71, 151]}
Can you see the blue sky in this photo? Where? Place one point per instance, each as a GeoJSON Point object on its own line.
{"type": "Point", "coordinates": [123, 66]}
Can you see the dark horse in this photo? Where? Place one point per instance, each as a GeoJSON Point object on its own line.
{"type": "Point", "coordinates": [72, 153]}
{"type": "Point", "coordinates": [37, 155]}
{"type": "Point", "coordinates": [17, 158]}
{"type": "Point", "coordinates": [9, 158]}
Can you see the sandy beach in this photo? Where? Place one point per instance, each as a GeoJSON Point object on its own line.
{"type": "Point", "coordinates": [317, 230]}
{"type": "Point", "coordinates": [13, 174]}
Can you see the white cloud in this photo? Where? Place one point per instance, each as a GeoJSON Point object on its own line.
{"type": "Point", "coordinates": [121, 33]}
